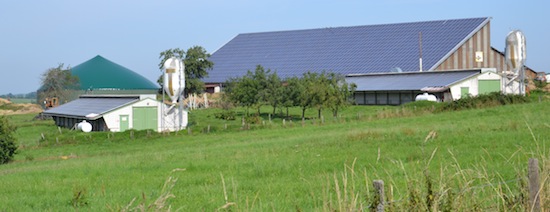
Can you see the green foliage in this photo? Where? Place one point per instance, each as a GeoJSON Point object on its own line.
{"type": "Point", "coordinates": [484, 100]}
{"type": "Point", "coordinates": [196, 64]}
{"type": "Point", "coordinates": [249, 90]}
{"type": "Point", "coordinates": [8, 146]}
{"type": "Point", "coordinates": [313, 90]}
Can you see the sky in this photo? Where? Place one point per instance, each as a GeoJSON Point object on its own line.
{"type": "Point", "coordinates": [38, 35]}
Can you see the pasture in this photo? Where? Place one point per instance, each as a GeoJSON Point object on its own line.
{"type": "Point", "coordinates": [471, 159]}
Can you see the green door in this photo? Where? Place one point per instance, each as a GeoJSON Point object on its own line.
{"type": "Point", "coordinates": [464, 91]}
{"type": "Point", "coordinates": [145, 118]}
{"type": "Point", "coordinates": [488, 86]}
{"type": "Point", "coordinates": [124, 123]}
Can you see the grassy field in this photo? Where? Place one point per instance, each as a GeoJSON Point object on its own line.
{"type": "Point", "coordinates": [22, 101]}
{"type": "Point", "coordinates": [471, 159]}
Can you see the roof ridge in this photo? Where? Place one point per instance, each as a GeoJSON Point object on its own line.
{"type": "Point", "coordinates": [357, 26]}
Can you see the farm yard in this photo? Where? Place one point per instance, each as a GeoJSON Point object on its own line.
{"type": "Point", "coordinates": [472, 159]}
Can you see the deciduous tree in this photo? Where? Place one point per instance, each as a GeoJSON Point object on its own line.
{"type": "Point", "coordinates": [58, 82]}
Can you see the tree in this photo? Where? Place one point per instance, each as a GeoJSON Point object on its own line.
{"type": "Point", "coordinates": [243, 91]}
{"type": "Point", "coordinates": [7, 141]}
{"type": "Point", "coordinates": [58, 82]}
{"type": "Point", "coordinates": [291, 93]}
{"type": "Point", "coordinates": [273, 90]}
{"type": "Point", "coordinates": [339, 93]}
{"type": "Point", "coordinates": [196, 65]}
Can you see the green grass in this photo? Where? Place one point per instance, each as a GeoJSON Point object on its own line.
{"type": "Point", "coordinates": [276, 167]}
{"type": "Point", "coordinates": [22, 101]}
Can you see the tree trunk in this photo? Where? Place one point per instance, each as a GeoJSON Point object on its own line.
{"type": "Point", "coordinates": [274, 107]}
{"type": "Point", "coordinates": [319, 113]}
{"type": "Point", "coordinates": [287, 112]}
{"type": "Point", "coordinates": [303, 112]}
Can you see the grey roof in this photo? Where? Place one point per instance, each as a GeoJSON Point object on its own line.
{"type": "Point", "coordinates": [343, 50]}
{"type": "Point", "coordinates": [84, 106]}
{"type": "Point", "coordinates": [411, 81]}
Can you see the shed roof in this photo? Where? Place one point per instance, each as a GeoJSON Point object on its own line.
{"type": "Point", "coordinates": [343, 50]}
{"type": "Point", "coordinates": [411, 81]}
{"type": "Point", "coordinates": [100, 73]}
{"type": "Point", "coordinates": [90, 107]}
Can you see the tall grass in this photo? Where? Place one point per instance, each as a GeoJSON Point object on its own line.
{"type": "Point", "coordinates": [462, 160]}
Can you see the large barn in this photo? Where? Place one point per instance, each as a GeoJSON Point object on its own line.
{"type": "Point", "coordinates": [429, 46]}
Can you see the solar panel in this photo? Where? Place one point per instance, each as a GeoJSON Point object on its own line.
{"type": "Point", "coordinates": [344, 50]}
{"type": "Point", "coordinates": [84, 106]}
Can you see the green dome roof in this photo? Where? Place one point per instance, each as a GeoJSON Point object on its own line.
{"type": "Point", "coordinates": [99, 73]}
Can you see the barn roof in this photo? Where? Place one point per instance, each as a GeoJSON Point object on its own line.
{"type": "Point", "coordinates": [92, 107]}
{"type": "Point", "coordinates": [100, 73]}
{"type": "Point", "coordinates": [344, 50]}
{"type": "Point", "coordinates": [411, 81]}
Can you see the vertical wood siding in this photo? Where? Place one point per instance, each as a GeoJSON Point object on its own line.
{"type": "Point", "coordinates": [464, 57]}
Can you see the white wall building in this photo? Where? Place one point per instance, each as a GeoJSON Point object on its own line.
{"type": "Point", "coordinates": [118, 113]}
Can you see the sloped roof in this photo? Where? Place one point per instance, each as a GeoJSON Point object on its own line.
{"type": "Point", "coordinates": [84, 106]}
{"type": "Point", "coordinates": [411, 81]}
{"type": "Point", "coordinates": [344, 50]}
{"type": "Point", "coordinates": [100, 73]}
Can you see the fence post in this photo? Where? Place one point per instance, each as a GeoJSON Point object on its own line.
{"type": "Point", "coordinates": [534, 185]}
{"type": "Point", "coordinates": [379, 189]}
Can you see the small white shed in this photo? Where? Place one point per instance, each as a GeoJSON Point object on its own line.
{"type": "Point", "coordinates": [118, 113]}
{"type": "Point", "coordinates": [486, 82]}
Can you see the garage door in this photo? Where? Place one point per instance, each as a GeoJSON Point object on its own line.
{"type": "Point", "coordinates": [488, 86]}
{"type": "Point", "coordinates": [145, 118]}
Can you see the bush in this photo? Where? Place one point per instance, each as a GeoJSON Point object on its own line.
{"type": "Point", "coordinates": [225, 115]}
{"type": "Point", "coordinates": [7, 141]}
{"type": "Point", "coordinates": [485, 100]}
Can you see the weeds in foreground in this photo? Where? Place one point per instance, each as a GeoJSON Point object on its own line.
{"type": "Point", "coordinates": [452, 188]}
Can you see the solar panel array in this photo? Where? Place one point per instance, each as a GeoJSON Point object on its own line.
{"type": "Point", "coordinates": [84, 106]}
{"type": "Point", "coordinates": [344, 50]}
{"type": "Point", "coordinates": [413, 81]}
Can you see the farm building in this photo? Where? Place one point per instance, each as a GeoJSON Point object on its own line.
{"type": "Point", "coordinates": [118, 113]}
{"type": "Point", "coordinates": [430, 46]}
{"type": "Point", "coordinates": [400, 88]}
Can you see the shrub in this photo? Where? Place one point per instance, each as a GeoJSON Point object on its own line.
{"type": "Point", "coordinates": [7, 141]}
{"type": "Point", "coordinates": [485, 100]}
{"type": "Point", "coordinates": [225, 115]}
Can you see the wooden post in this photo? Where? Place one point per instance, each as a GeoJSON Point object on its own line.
{"type": "Point", "coordinates": [534, 185]}
{"type": "Point", "coordinates": [379, 189]}
{"type": "Point", "coordinates": [225, 126]}
{"type": "Point", "coordinates": [269, 118]}
{"type": "Point", "coordinates": [132, 135]}
{"type": "Point", "coordinates": [208, 129]}
{"type": "Point", "coordinates": [284, 122]}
